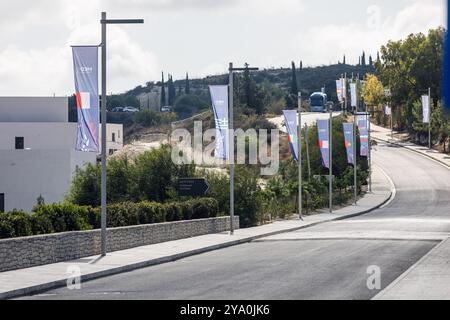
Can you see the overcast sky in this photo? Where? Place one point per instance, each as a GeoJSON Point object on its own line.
{"type": "Point", "coordinates": [199, 36]}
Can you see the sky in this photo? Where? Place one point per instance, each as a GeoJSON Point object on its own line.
{"type": "Point", "coordinates": [196, 36]}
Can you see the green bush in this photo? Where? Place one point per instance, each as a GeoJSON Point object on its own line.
{"type": "Point", "coordinates": [21, 223]}
{"type": "Point", "coordinates": [65, 217]}
{"type": "Point", "coordinates": [6, 227]}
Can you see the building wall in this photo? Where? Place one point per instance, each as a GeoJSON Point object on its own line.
{"type": "Point", "coordinates": [27, 174]}
{"type": "Point", "coordinates": [39, 250]}
{"type": "Point", "coordinates": [33, 109]}
{"type": "Point", "coordinates": [52, 135]}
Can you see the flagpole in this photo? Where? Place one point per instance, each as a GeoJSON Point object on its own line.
{"type": "Point", "coordinates": [330, 160]}
{"type": "Point", "coordinates": [429, 120]}
{"type": "Point", "coordinates": [103, 156]}
{"type": "Point", "coordinates": [299, 143]}
{"type": "Point", "coordinates": [307, 151]}
{"type": "Point", "coordinates": [231, 148]}
{"type": "Point", "coordinates": [355, 168]}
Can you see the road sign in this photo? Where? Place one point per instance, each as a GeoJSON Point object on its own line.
{"type": "Point", "coordinates": [192, 187]}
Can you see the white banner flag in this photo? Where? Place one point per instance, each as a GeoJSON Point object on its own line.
{"type": "Point", "coordinates": [387, 110]}
{"type": "Point", "coordinates": [426, 109]}
{"type": "Point", "coordinates": [339, 91]}
{"type": "Point", "coordinates": [353, 94]}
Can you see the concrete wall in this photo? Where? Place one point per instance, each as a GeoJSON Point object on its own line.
{"type": "Point", "coordinates": [52, 135]}
{"type": "Point", "coordinates": [26, 174]}
{"type": "Point", "coordinates": [34, 109]}
{"type": "Point", "coordinates": [39, 250]}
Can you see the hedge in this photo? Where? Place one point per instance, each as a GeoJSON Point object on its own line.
{"type": "Point", "coordinates": [63, 217]}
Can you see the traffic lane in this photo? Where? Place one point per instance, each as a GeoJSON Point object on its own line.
{"type": "Point", "coordinates": [335, 269]}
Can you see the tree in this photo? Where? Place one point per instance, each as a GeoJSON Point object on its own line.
{"type": "Point", "coordinates": [370, 61]}
{"type": "Point", "coordinates": [363, 59]}
{"type": "Point", "coordinates": [132, 101]}
{"type": "Point", "coordinates": [187, 87]}
{"type": "Point", "coordinates": [163, 92]}
{"type": "Point", "coordinates": [251, 96]}
{"type": "Point", "coordinates": [171, 90]}
{"type": "Point", "coordinates": [294, 84]}
{"type": "Point", "coordinates": [373, 91]}
{"type": "Point", "coordinates": [344, 60]}
{"type": "Point", "coordinates": [301, 64]}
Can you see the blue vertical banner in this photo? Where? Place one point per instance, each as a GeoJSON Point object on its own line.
{"type": "Point", "coordinates": [446, 62]}
{"type": "Point", "coordinates": [291, 120]}
{"type": "Point", "coordinates": [348, 136]}
{"type": "Point", "coordinates": [85, 64]}
{"type": "Point", "coordinates": [364, 137]}
{"type": "Point", "coordinates": [219, 97]}
{"type": "Point", "coordinates": [323, 128]}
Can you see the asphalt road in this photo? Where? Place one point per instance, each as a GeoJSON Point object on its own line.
{"type": "Point", "coordinates": [328, 261]}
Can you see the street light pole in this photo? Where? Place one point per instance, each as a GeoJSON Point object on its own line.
{"type": "Point", "coordinates": [231, 71]}
{"type": "Point", "coordinates": [429, 120]}
{"type": "Point", "coordinates": [103, 23]}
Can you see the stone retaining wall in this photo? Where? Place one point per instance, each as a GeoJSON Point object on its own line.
{"type": "Point", "coordinates": [18, 253]}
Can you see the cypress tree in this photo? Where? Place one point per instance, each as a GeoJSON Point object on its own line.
{"type": "Point", "coordinates": [187, 88]}
{"type": "Point", "coordinates": [344, 62]}
{"type": "Point", "coordinates": [163, 92]}
{"type": "Point", "coordinates": [294, 84]}
{"type": "Point", "coordinates": [370, 61]}
{"type": "Point", "coordinates": [171, 90]}
{"type": "Point", "coordinates": [363, 59]}
{"type": "Point", "coordinates": [378, 57]}
{"type": "Point", "coordinates": [301, 65]}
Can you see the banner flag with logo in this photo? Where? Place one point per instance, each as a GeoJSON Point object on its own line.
{"type": "Point", "coordinates": [291, 120]}
{"type": "Point", "coordinates": [219, 97]}
{"type": "Point", "coordinates": [364, 137]}
{"type": "Point", "coordinates": [324, 141]}
{"type": "Point", "coordinates": [348, 135]}
{"type": "Point", "coordinates": [426, 109]}
{"type": "Point", "coordinates": [339, 90]}
{"type": "Point", "coordinates": [85, 62]}
{"type": "Point", "coordinates": [388, 110]}
{"type": "Point", "coordinates": [353, 94]}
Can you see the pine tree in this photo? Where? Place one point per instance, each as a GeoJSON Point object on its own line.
{"type": "Point", "coordinates": [344, 62]}
{"type": "Point", "coordinates": [301, 65]}
{"type": "Point", "coordinates": [370, 61]}
{"type": "Point", "coordinates": [363, 59]}
{"type": "Point", "coordinates": [163, 92]}
{"type": "Point", "coordinates": [187, 88]}
{"type": "Point", "coordinates": [294, 84]}
{"type": "Point", "coordinates": [171, 90]}
{"type": "Point", "coordinates": [378, 57]}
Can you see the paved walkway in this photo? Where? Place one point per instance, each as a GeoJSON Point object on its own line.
{"type": "Point", "coordinates": [384, 134]}
{"type": "Point", "coordinates": [37, 279]}
{"type": "Point", "coordinates": [429, 278]}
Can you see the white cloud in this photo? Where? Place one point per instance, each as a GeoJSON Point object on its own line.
{"type": "Point", "coordinates": [327, 43]}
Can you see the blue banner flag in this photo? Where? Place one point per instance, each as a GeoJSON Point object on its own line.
{"type": "Point", "coordinates": [446, 64]}
{"type": "Point", "coordinates": [324, 141]}
{"type": "Point", "coordinates": [291, 120]}
{"type": "Point", "coordinates": [219, 97]}
{"type": "Point", "coordinates": [348, 135]}
{"type": "Point", "coordinates": [85, 63]}
{"type": "Point", "coordinates": [364, 137]}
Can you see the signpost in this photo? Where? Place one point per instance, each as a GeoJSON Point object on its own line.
{"type": "Point", "coordinates": [299, 141]}
{"type": "Point", "coordinates": [192, 187]}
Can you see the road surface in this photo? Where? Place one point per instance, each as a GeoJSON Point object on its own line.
{"type": "Point", "coordinates": [329, 261]}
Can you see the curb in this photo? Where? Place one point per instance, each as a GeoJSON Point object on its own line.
{"type": "Point", "coordinates": [114, 271]}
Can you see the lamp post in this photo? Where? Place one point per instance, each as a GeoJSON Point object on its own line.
{"type": "Point", "coordinates": [103, 23]}
{"type": "Point", "coordinates": [231, 71]}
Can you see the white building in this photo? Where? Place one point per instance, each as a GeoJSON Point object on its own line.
{"type": "Point", "coordinates": [37, 150]}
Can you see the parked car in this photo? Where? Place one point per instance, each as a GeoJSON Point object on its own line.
{"type": "Point", "coordinates": [117, 109]}
{"type": "Point", "coordinates": [130, 109]}
{"type": "Point", "coordinates": [166, 109]}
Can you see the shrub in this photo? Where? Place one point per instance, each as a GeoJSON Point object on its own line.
{"type": "Point", "coordinates": [6, 227]}
{"type": "Point", "coordinates": [21, 223]}
{"type": "Point", "coordinates": [65, 216]}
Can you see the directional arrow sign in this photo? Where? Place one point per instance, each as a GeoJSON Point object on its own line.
{"type": "Point", "coordinates": [190, 187]}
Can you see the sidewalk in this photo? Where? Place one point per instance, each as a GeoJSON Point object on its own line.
{"type": "Point", "coordinates": [37, 279]}
{"type": "Point", "coordinates": [384, 134]}
{"type": "Point", "coordinates": [428, 279]}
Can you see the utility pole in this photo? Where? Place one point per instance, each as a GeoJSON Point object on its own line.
{"type": "Point", "coordinates": [231, 71]}
{"type": "Point", "coordinates": [103, 23]}
{"type": "Point", "coordinates": [300, 157]}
